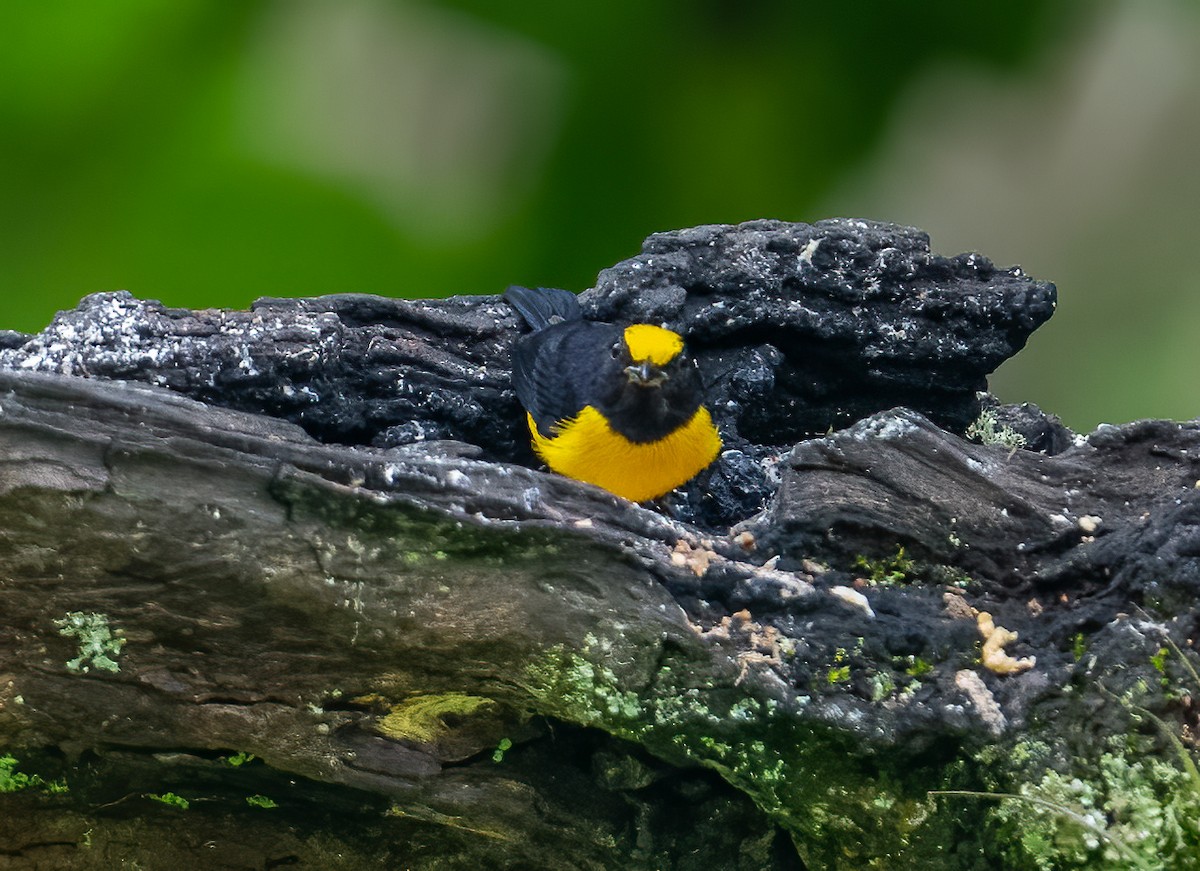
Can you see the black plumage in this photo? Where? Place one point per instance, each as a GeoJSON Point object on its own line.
{"type": "Point", "coordinates": [568, 363]}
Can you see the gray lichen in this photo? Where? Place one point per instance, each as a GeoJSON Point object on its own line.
{"type": "Point", "coordinates": [99, 644]}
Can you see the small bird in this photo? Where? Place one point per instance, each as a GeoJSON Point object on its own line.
{"type": "Point", "coordinates": [619, 407]}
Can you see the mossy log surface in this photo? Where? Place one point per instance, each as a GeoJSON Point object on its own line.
{"type": "Point", "coordinates": [281, 587]}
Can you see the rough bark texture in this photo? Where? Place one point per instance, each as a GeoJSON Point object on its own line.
{"type": "Point", "coordinates": [312, 534]}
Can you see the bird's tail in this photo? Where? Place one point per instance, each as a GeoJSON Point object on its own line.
{"type": "Point", "coordinates": [543, 306]}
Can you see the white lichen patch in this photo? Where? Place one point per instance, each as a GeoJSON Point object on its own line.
{"type": "Point", "coordinates": [788, 586]}
{"type": "Point", "coordinates": [884, 429]}
{"type": "Point", "coordinates": [806, 255]}
{"type": "Point", "coordinates": [458, 480]}
{"type": "Point", "coordinates": [853, 597]}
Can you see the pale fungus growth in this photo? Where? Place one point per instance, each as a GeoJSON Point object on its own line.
{"type": "Point", "coordinates": [995, 639]}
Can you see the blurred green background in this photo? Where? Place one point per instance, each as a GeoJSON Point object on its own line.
{"type": "Point", "coordinates": [207, 152]}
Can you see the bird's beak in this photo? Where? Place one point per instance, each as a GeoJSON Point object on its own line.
{"type": "Point", "coordinates": [645, 374]}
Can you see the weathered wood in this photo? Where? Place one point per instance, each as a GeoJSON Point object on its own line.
{"type": "Point", "coordinates": [275, 551]}
{"type": "Point", "coordinates": [359, 617]}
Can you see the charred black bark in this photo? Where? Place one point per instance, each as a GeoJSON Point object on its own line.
{"type": "Point", "coordinates": [312, 533]}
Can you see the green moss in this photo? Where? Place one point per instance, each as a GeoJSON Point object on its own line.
{"type": "Point", "coordinates": [914, 666]}
{"type": "Point", "coordinates": [12, 780]}
{"type": "Point", "coordinates": [1127, 812]}
{"type": "Point", "coordinates": [420, 718]}
{"type": "Point", "coordinates": [170, 799]}
{"type": "Point", "coordinates": [239, 759]}
{"type": "Point", "coordinates": [840, 671]}
{"type": "Point", "coordinates": [986, 430]}
{"type": "Point", "coordinates": [1124, 805]}
{"type": "Point", "coordinates": [1159, 661]}
{"type": "Point", "coordinates": [1028, 754]}
{"type": "Point", "coordinates": [882, 686]}
{"type": "Point", "coordinates": [896, 569]}
{"type": "Point", "coordinates": [569, 686]}
{"type": "Point", "coordinates": [1078, 646]}
{"type": "Point", "coordinates": [802, 775]}
{"type": "Point", "coordinates": [838, 674]}
{"type": "Point", "coordinates": [1124, 808]}
{"type": "Point", "coordinates": [99, 645]}
{"type": "Point", "coordinates": [261, 801]}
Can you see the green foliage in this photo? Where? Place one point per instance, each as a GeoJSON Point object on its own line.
{"type": "Point", "coordinates": [170, 799]}
{"type": "Point", "coordinates": [56, 787]}
{"type": "Point", "coordinates": [12, 780]}
{"type": "Point", "coordinates": [99, 646]}
{"type": "Point", "coordinates": [239, 759]}
{"type": "Point", "coordinates": [1159, 661]}
{"type": "Point", "coordinates": [503, 747]}
{"type": "Point", "coordinates": [840, 671]}
{"type": "Point", "coordinates": [261, 801]}
{"type": "Point", "coordinates": [468, 145]}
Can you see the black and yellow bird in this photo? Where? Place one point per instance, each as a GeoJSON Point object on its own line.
{"type": "Point", "coordinates": [619, 407]}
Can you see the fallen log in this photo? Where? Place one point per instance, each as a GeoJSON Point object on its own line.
{"type": "Point", "coordinates": [285, 586]}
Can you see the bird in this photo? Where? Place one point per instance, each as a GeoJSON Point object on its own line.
{"type": "Point", "coordinates": [620, 407]}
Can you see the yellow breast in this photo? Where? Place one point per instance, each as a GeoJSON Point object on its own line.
{"type": "Point", "coordinates": [586, 448]}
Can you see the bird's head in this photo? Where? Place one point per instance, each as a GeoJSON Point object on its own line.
{"type": "Point", "coordinates": [652, 352]}
{"type": "Point", "coordinates": [653, 385]}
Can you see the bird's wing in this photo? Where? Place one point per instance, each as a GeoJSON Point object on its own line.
{"type": "Point", "coordinates": [554, 368]}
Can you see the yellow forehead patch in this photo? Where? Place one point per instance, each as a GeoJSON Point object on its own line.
{"type": "Point", "coordinates": [648, 342]}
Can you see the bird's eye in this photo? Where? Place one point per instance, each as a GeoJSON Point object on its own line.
{"type": "Point", "coordinates": [616, 350]}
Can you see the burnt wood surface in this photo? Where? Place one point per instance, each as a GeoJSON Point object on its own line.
{"type": "Point", "coordinates": [316, 534]}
